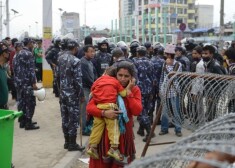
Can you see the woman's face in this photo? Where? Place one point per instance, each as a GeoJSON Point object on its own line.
{"type": "Point", "coordinates": [123, 76]}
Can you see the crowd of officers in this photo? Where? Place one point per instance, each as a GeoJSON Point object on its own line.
{"type": "Point", "coordinates": [76, 66]}
{"type": "Point", "coordinates": [150, 61]}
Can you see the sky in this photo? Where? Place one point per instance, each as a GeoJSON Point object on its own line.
{"type": "Point", "coordinates": [99, 13]}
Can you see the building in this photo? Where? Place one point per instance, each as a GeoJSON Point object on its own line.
{"type": "Point", "coordinates": [204, 16]}
{"type": "Point", "coordinates": [70, 24]}
{"type": "Point", "coordinates": [146, 14]}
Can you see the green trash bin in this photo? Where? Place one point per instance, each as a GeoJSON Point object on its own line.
{"type": "Point", "coordinates": [7, 118]}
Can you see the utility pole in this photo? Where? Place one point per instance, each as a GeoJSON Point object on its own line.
{"type": "Point", "coordinates": [221, 24]}
{"type": "Point", "coordinates": [222, 13]}
{"type": "Point", "coordinates": [7, 18]}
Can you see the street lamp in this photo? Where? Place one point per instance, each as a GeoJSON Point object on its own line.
{"type": "Point", "coordinates": [8, 19]}
{"type": "Point", "coordinates": [15, 12]}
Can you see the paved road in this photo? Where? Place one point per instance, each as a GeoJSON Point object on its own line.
{"type": "Point", "coordinates": [43, 148]}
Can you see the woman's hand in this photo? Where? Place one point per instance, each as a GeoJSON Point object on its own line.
{"type": "Point", "coordinates": [130, 85]}
{"type": "Point", "coordinates": [111, 114]}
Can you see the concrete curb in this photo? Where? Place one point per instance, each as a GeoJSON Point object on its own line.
{"type": "Point", "coordinates": [69, 160]}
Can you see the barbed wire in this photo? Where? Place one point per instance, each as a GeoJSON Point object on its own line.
{"type": "Point", "coordinates": [216, 136]}
{"type": "Point", "coordinates": [203, 108]}
{"type": "Point", "coordinates": [202, 98]}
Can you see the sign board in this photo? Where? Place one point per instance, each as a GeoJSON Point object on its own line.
{"type": "Point", "coordinates": [182, 26]}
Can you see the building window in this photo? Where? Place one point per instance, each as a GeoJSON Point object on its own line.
{"type": "Point", "coordinates": [172, 1]}
{"type": "Point", "coordinates": [180, 1]}
{"type": "Point", "coordinates": [172, 10]}
{"type": "Point", "coordinates": [146, 2]}
{"type": "Point", "coordinates": [185, 11]}
{"type": "Point", "coordinates": [172, 20]}
{"type": "Point", "coordinates": [180, 11]}
{"type": "Point", "coordinates": [179, 20]}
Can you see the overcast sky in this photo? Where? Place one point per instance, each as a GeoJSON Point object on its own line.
{"type": "Point", "coordinates": [99, 13]}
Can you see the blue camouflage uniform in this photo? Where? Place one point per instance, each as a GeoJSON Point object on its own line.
{"type": "Point", "coordinates": [24, 78]}
{"type": "Point", "coordinates": [52, 57]}
{"type": "Point", "coordinates": [157, 66]}
{"type": "Point", "coordinates": [101, 61]}
{"type": "Point", "coordinates": [145, 81]}
{"type": "Point", "coordinates": [69, 73]}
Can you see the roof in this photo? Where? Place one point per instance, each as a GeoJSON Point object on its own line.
{"type": "Point", "coordinates": [200, 30]}
{"type": "Point", "coordinates": [178, 31]}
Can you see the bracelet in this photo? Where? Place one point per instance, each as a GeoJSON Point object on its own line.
{"type": "Point", "coordinates": [103, 113]}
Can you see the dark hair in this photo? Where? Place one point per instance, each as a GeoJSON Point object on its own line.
{"type": "Point", "coordinates": [111, 71]}
{"type": "Point", "coordinates": [117, 52]}
{"type": "Point", "coordinates": [209, 48]}
{"type": "Point", "coordinates": [128, 66]}
{"type": "Point", "coordinates": [230, 53]}
{"type": "Point", "coordinates": [86, 47]}
{"type": "Point", "coordinates": [7, 38]}
{"type": "Point", "coordinates": [88, 40]}
{"type": "Point", "coordinates": [198, 49]}
{"type": "Point", "coordinates": [179, 48]}
{"type": "Point", "coordinates": [13, 41]}
{"type": "Point", "coordinates": [172, 55]}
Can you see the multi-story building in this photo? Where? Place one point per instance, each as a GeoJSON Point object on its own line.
{"type": "Point", "coordinates": [70, 24]}
{"type": "Point", "coordinates": [148, 17]}
{"type": "Point", "coordinates": [204, 16]}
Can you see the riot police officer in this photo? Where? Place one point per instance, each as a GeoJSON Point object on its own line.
{"type": "Point", "coordinates": [157, 61]}
{"type": "Point", "coordinates": [51, 57]}
{"type": "Point", "coordinates": [25, 82]}
{"type": "Point", "coordinates": [102, 59]}
{"type": "Point", "coordinates": [70, 75]}
{"type": "Point", "coordinates": [145, 82]}
{"type": "Point", "coordinates": [134, 44]}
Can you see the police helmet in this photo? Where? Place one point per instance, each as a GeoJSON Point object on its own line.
{"type": "Point", "coordinates": [158, 48]}
{"type": "Point", "coordinates": [148, 44]}
{"type": "Point", "coordinates": [72, 44]}
{"type": "Point", "coordinates": [57, 41]}
{"type": "Point", "coordinates": [141, 50]}
{"type": "Point", "coordinates": [103, 41]}
{"type": "Point", "coordinates": [27, 40]}
{"type": "Point", "coordinates": [64, 43]}
{"type": "Point", "coordinates": [133, 46]}
{"type": "Point", "coordinates": [190, 44]}
{"type": "Point", "coordinates": [121, 43]}
{"type": "Point", "coordinates": [112, 45]}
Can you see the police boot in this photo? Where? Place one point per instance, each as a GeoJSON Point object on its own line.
{"type": "Point", "coordinates": [148, 130]}
{"type": "Point", "coordinates": [30, 126]}
{"type": "Point", "coordinates": [22, 122]}
{"type": "Point", "coordinates": [141, 131]}
{"type": "Point", "coordinates": [73, 146]}
{"type": "Point", "coordinates": [66, 143]}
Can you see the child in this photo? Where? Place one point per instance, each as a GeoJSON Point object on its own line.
{"type": "Point", "coordinates": [105, 91]}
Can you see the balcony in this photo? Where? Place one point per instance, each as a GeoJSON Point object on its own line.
{"type": "Point", "coordinates": [191, 11]}
{"type": "Point", "coordinates": [182, 15]}
{"type": "Point", "coordinates": [191, 21]}
{"type": "Point", "coordinates": [191, 1]}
